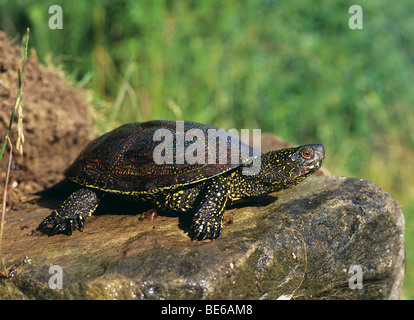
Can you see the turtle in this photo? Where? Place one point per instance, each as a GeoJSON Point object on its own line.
{"type": "Point", "coordinates": [177, 166]}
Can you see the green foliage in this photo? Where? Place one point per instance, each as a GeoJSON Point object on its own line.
{"type": "Point", "coordinates": [288, 67]}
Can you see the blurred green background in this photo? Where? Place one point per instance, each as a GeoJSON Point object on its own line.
{"type": "Point", "coordinates": [288, 67]}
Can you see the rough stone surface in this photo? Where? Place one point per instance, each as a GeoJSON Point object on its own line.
{"type": "Point", "coordinates": [297, 243]}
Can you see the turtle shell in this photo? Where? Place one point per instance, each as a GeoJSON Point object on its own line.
{"type": "Point", "coordinates": [123, 160]}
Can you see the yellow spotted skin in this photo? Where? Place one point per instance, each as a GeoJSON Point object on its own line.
{"type": "Point", "coordinates": [121, 162]}
{"type": "Point", "coordinates": [82, 204]}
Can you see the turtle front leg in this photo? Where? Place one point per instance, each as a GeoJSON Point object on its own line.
{"type": "Point", "coordinates": [207, 220]}
{"type": "Point", "coordinates": [72, 213]}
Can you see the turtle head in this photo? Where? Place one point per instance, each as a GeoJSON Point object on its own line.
{"type": "Point", "coordinates": [290, 166]}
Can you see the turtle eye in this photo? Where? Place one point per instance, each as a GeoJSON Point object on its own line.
{"type": "Point", "coordinates": [307, 153]}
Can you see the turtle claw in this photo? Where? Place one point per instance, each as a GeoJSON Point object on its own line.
{"type": "Point", "coordinates": [199, 235]}
{"type": "Point", "coordinates": [55, 224]}
{"type": "Point", "coordinates": [42, 225]}
{"type": "Point", "coordinates": [216, 233]}
{"type": "Point", "coordinates": [205, 230]}
{"type": "Point", "coordinates": [81, 223]}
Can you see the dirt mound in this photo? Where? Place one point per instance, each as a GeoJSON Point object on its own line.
{"type": "Point", "coordinates": [55, 121]}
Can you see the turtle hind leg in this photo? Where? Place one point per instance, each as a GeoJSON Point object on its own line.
{"type": "Point", "coordinates": [72, 213]}
{"type": "Point", "coordinates": [207, 220]}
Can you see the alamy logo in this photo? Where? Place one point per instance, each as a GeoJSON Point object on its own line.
{"type": "Point", "coordinates": [56, 20]}
{"type": "Point", "coordinates": [197, 146]}
{"type": "Point", "coordinates": [355, 281]}
{"type": "Point", "coordinates": [56, 281]}
{"type": "Point", "coordinates": [355, 21]}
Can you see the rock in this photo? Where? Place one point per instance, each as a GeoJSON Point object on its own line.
{"type": "Point", "coordinates": [322, 239]}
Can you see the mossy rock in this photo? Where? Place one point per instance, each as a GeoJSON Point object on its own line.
{"type": "Point", "coordinates": [299, 243]}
